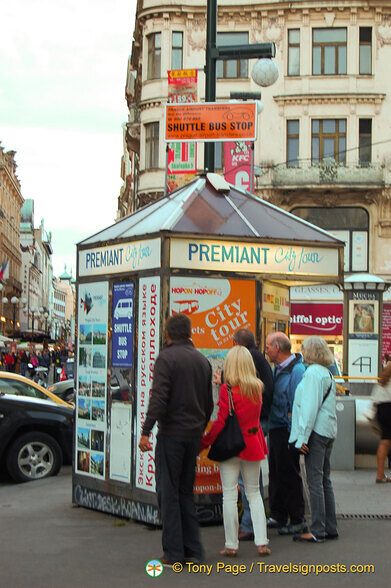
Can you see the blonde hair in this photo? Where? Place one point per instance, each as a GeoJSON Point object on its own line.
{"type": "Point", "coordinates": [239, 370]}
{"type": "Point", "coordinates": [315, 350]}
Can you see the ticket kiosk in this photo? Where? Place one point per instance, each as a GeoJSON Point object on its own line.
{"type": "Point", "coordinates": [207, 250]}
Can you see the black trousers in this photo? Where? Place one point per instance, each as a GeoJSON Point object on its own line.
{"type": "Point", "coordinates": [175, 473]}
{"type": "Point", "coordinates": [285, 484]}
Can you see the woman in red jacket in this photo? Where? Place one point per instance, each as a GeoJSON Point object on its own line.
{"type": "Point", "coordinates": [239, 373]}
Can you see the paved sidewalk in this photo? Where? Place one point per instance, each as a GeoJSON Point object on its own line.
{"type": "Point", "coordinates": [47, 542]}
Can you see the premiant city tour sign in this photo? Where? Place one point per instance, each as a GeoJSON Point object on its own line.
{"type": "Point", "coordinates": [254, 257]}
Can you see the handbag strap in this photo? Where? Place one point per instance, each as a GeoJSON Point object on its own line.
{"type": "Point", "coordinates": [328, 390]}
{"type": "Point", "coordinates": [231, 406]}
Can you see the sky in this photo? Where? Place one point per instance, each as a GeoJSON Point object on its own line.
{"type": "Point", "coordinates": [62, 106]}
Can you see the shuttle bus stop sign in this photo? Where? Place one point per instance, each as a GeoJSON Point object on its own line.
{"type": "Point", "coordinates": [211, 121]}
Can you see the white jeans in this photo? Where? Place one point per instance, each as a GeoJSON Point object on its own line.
{"type": "Point", "coordinates": [229, 473]}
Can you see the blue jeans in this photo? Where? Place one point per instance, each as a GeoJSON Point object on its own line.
{"type": "Point", "coordinates": [317, 465]}
{"type": "Point", "coordinates": [246, 524]}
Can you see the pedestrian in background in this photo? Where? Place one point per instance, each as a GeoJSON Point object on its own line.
{"type": "Point", "coordinates": [314, 428]}
{"type": "Point", "coordinates": [381, 397]}
{"type": "Point", "coordinates": [181, 402]}
{"type": "Point", "coordinates": [285, 484]}
{"type": "Point", "coordinates": [240, 375]}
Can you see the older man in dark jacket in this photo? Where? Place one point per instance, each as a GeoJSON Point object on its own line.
{"type": "Point", "coordinates": [181, 402]}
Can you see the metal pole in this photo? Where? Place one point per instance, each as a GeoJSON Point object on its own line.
{"type": "Point", "coordinates": [166, 170]}
{"type": "Point", "coordinates": [252, 169]}
{"type": "Point", "coordinates": [210, 75]}
{"type": "Point", "coordinates": [14, 317]}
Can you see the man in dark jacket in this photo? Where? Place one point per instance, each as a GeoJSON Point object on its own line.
{"type": "Point", "coordinates": [181, 402]}
{"type": "Point", "coordinates": [285, 483]}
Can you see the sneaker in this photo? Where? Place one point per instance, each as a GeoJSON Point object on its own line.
{"type": "Point", "coordinates": [293, 529]}
{"type": "Point", "coordinates": [273, 523]}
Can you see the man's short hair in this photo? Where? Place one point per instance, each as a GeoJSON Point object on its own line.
{"type": "Point", "coordinates": [282, 340]}
{"type": "Point", "coordinates": [244, 337]}
{"type": "Point", "coordinates": [178, 326]}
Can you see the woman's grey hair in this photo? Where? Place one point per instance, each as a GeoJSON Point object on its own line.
{"type": "Point", "coordinates": [315, 350]}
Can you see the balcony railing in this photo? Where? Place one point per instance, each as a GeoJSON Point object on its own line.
{"type": "Point", "coordinates": [326, 171]}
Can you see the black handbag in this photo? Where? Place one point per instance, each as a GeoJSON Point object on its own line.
{"type": "Point", "coordinates": [229, 441]}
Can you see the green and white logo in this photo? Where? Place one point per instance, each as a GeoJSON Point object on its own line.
{"type": "Point", "coordinates": [154, 568]}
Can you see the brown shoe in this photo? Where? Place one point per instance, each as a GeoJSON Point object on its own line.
{"type": "Point", "coordinates": [243, 536]}
{"type": "Point", "coordinates": [229, 552]}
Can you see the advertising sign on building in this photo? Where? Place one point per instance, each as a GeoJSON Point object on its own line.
{"type": "Point", "coordinates": [275, 300]}
{"type": "Point", "coordinates": [211, 121]}
{"type": "Point", "coordinates": [123, 312]}
{"type": "Point", "coordinates": [147, 352]}
{"type": "Point", "coordinates": [237, 164]}
{"type": "Point", "coordinates": [363, 334]}
{"type": "Point", "coordinates": [253, 257]}
{"type": "Point", "coordinates": [386, 349]}
{"type": "Point", "coordinates": [122, 257]}
{"type": "Point", "coordinates": [217, 308]}
{"type": "Point", "coordinates": [91, 391]}
{"type": "Point", "coordinates": [181, 157]}
{"type": "Point", "coordinates": [316, 319]}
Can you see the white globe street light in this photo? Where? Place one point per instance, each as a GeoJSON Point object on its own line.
{"type": "Point", "coordinates": [265, 72]}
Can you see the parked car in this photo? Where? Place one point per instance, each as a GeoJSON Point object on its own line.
{"type": "Point", "coordinates": [36, 435]}
{"type": "Point", "coordinates": [68, 370]}
{"type": "Point", "coordinates": [17, 385]}
{"type": "Point", "coordinates": [64, 390]}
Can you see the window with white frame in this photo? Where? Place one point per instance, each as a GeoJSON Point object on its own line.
{"type": "Point", "coordinates": [292, 143]}
{"type": "Point", "coordinates": [232, 68]}
{"type": "Point", "coordinates": [365, 50]}
{"type": "Point", "coordinates": [365, 141]}
{"type": "Point", "coordinates": [293, 52]}
{"type": "Point", "coordinates": [154, 56]}
{"type": "Point", "coordinates": [329, 49]}
{"type": "Point", "coordinates": [177, 50]}
{"type": "Point", "coordinates": [152, 145]}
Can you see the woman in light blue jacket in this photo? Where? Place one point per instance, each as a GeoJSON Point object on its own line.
{"type": "Point", "coordinates": [314, 428]}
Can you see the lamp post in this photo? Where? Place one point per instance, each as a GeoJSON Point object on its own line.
{"type": "Point", "coordinates": [33, 312]}
{"type": "Point", "coordinates": [14, 301]}
{"type": "Point", "coordinates": [213, 53]}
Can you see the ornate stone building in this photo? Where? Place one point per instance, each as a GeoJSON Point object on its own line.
{"type": "Point", "coordinates": [324, 145]}
{"type": "Point", "coordinates": [11, 201]}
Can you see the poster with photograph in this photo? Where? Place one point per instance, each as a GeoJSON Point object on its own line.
{"type": "Point", "coordinates": [91, 385]}
{"type": "Point", "coordinates": [123, 312]}
{"type": "Point", "coordinates": [217, 308]}
{"type": "Point", "coordinates": [364, 318]}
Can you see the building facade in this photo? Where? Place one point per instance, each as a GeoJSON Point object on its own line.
{"type": "Point", "coordinates": [11, 201]}
{"type": "Point", "coordinates": [323, 150]}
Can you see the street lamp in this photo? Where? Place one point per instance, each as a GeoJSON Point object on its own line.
{"type": "Point", "coordinates": [262, 73]}
{"type": "Point", "coordinates": [44, 315]}
{"type": "Point", "coordinates": [14, 301]}
{"type": "Point", "coordinates": [33, 312]}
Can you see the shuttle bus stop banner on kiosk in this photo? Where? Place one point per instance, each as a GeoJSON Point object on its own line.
{"type": "Point", "coordinates": [131, 277]}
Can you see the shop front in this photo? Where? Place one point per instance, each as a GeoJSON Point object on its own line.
{"type": "Point", "coordinates": [209, 250]}
{"type": "Point", "coordinates": [318, 310]}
